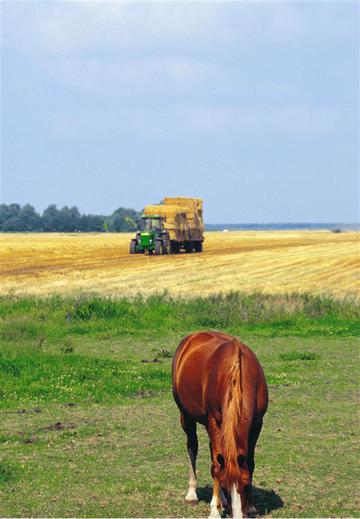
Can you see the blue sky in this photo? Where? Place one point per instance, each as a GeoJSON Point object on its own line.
{"type": "Point", "coordinates": [251, 105]}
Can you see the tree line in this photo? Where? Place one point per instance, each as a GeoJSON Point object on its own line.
{"type": "Point", "coordinates": [16, 218]}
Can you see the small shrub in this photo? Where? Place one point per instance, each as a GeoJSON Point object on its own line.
{"type": "Point", "coordinates": [94, 308]}
{"type": "Point", "coordinates": [298, 355]}
{"type": "Point", "coordinates": [8, 473]}
{"type": "Point", "coordinates": [68, 348]}
{"type": "Point", "coordinates": [164, 353]}
{"type": "Point", "coordinates": [9, 367]}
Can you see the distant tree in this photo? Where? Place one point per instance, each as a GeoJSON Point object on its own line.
{"type": "Point", "coordinates": [96, 223]}
{"type": "Point", "coordinates": [14, 210]}
{"type": "Point", "coordinates": [30, 219]}
{"type": "Point", "coordinates": [51, 219]}
{"type": "Point", "coordinates": [4, 214]}
{"type": "Point", "coordinates": [91, 222]}
{"type": "Point", "coordinates": [123, 220]}
{"type": "Point", "coordinates": [83, 223]}
{"type": "Point", "coordinates": [13, 218]}
{"type": "Point", "coordinates": [69, 219]}
{"type": "Point", "coordinates": [12, 224]}
{"type": "Point", "coordinates": [8, 212]}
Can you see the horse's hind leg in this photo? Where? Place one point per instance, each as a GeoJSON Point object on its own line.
{"type": "Point", "coordinates": [189, 427]}
{"type": "Point", "coordinates": [215, 503]}
{"type": "Point", "coordinates": [216, 458]}
{"type": "Point", "coordinates": [253, 437]}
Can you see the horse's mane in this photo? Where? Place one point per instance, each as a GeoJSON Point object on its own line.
{"type": "Point", "coordinates": [231, 423]}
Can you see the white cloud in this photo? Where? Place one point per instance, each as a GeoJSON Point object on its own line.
{"type": "Point", "coordinates": [61, 27]}
{"type": "Point", "coordinates": [157, 48]}
{"type": "Point", "coordinates": [58, 27]}
{"type": "Point", "coordinates": [100, 46]}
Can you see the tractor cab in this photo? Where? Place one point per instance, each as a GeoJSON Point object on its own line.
{"type": "Point", "coordinates": [151, 237]}
{"type": "Point", "coordinates": [152, 224]}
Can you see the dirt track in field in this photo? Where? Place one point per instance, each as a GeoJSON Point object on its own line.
{"type": "Point", "coordinates": [269, 261]}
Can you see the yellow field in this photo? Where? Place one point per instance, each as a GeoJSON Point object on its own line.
{"type": "Point", "coordinates": [269, 261]}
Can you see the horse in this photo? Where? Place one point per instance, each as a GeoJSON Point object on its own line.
{"type": "Point", "coordinates": [218, 382]}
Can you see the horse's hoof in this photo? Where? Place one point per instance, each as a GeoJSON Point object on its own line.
{"type": "Point", "coordinates": [191, 502]}
{"type": "Point", "coordinates": [251, 512]}
{"type": "Point", "coordinates": [191, 497]}
{"type": "Point", "coordinates": [214, 514]}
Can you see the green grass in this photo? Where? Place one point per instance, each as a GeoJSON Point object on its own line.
{"type": "Point", "coordinates": [89, 427]}
{"type": "Point", "coordinates": [295, 314]}
{"type": "Point", "coordinates": [8, 471]}
{"type": "Point", "coordinates": [34, 376]}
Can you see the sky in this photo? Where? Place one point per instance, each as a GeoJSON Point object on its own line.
{"type": "Point", "coordinates": [253, 106]}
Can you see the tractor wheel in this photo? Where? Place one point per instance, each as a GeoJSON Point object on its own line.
{"type": "Point", "coordinates": [188, 246]}
{"type": "Point", "coordinates": [133, 247]}
{"type": "Point", "coordinates": [198, 246]}
{"type": "Point", "coordinates": [165, 247]}
{"type": "Point", "coordinates": [158, 247]}
{"type": "Point", "coordinates": [174, 247]}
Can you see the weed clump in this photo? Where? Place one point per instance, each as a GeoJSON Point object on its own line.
{"type": "Point", "coordinates": [298, 355]}
{"type": "Point", "coordinates": [9, 472]}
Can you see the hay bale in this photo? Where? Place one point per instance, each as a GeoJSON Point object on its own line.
{"type": "Point", "coordinates": [183, 216]}
{"type": "Point", "coordinates": [151, 210]}
{"type": "Point", "coordinates": [184, 201]}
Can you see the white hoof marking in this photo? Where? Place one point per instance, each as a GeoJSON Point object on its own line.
{"type": "Point", "coordinates": [236, 503]}
{"type": "Point", "coordinates": [191, 496]}
{"type": "Point", "coordinates": [214, 513]}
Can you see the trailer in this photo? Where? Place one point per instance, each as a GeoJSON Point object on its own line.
{"type": "Point", "coordinates": [174, 225]}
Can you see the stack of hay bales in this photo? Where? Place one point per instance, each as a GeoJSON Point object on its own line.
{"type": "Point", "coordinates": [175, 220]}
{"type": "Point", "coordinates": [183, 217]}
{"type": "Point", "coordinates": [194, 214]}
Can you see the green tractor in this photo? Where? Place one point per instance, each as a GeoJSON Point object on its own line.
{"type": "Point", "coordinates": [151, 237]}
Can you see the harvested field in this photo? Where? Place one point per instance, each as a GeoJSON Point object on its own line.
{"type": "Point", "coordinates": [268, 261]}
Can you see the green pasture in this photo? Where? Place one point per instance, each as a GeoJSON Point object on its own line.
{"type": "Point", "coordinates": [89, 427]}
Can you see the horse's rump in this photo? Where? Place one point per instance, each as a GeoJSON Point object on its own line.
{"type": "Point", "coordinates": [204, 365]}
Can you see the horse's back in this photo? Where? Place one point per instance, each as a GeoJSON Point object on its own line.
{"type": "Point", "coordinates": [199, 365]}
{"type": "Point", "coordinates": [201, 368]}
{"type": "Point", "coordinates": [191, 370]}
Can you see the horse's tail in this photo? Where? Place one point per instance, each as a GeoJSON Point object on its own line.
{"type": "Point", "coordinates": [231, 424]}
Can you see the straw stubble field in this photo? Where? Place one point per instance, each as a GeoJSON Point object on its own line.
{"type": "Point", "coordinates": [268, 261]}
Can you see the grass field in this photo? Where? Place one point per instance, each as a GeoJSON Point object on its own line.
{"type": "Point", "coordinates": [88, 424]}
{"type": "Point", "coordinates": [273, 262]}
{"type": "Point", "coordinates": [89, 428]}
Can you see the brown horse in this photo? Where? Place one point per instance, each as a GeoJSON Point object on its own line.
{"type": "Point", "coordinates": [219, 383]}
